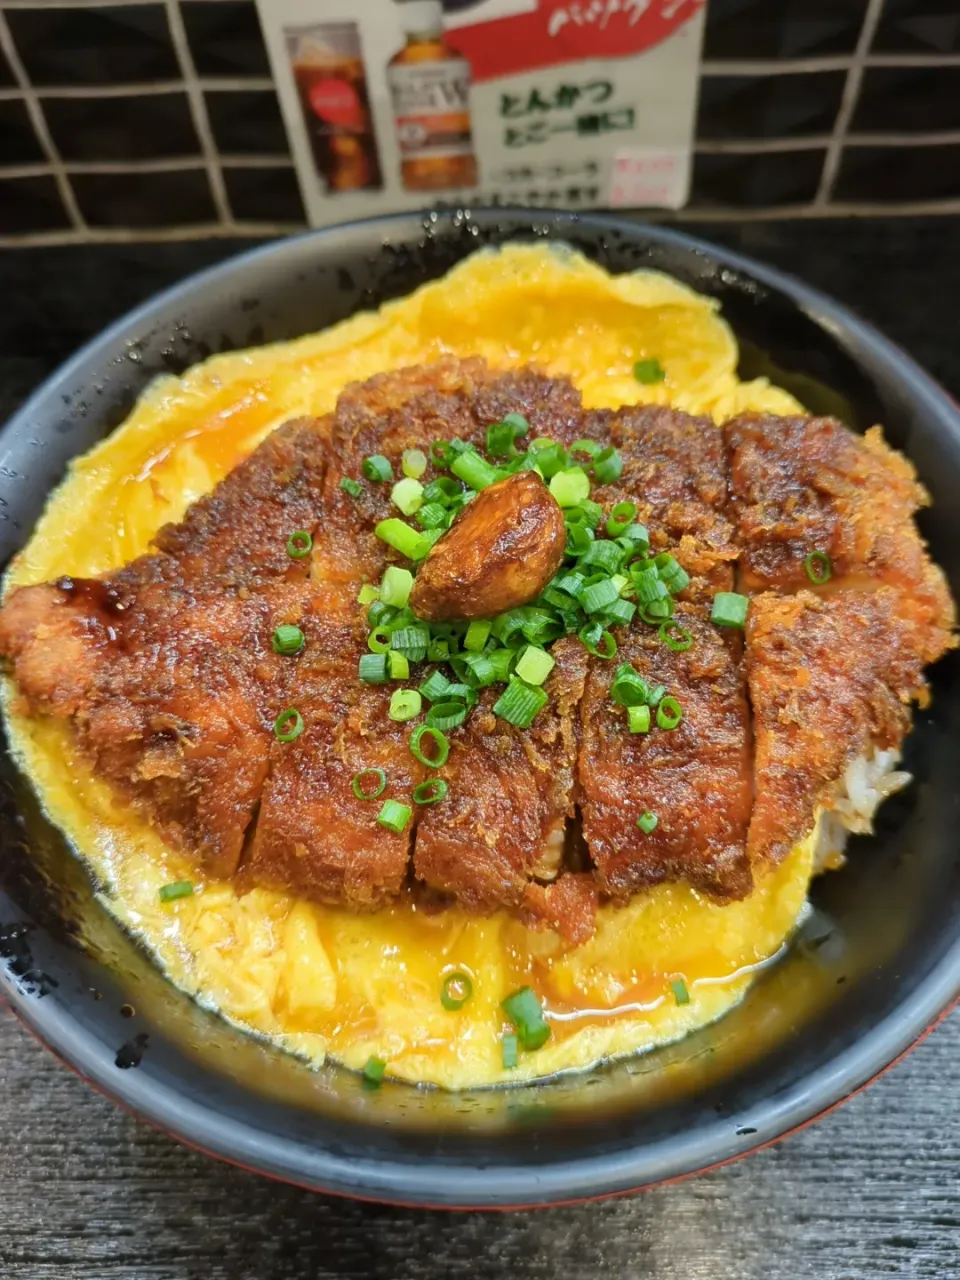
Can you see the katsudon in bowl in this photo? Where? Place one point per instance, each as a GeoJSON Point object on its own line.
{"type": "Point", "coordinates": [469, 692]}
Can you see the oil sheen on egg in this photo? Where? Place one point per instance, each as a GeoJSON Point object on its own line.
{"type": "Point", "coordinates": [323, 981]}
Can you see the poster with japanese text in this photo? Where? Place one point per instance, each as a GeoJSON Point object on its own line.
{"type": "Point", "coordinates": [399, 104]}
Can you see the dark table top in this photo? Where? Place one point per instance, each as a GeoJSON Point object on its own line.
{"type": "Point", "coordinates": [87, 1193]}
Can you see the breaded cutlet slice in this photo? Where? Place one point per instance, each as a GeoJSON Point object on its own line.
{"type": "Point", "coordinates": [830, 678]}
{"type": "Point", "coordinates": [695, 778]}
{"type": "Point", "coordinates": [165, 668]}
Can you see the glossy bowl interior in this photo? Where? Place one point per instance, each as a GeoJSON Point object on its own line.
{"type": "Point", "coordinates": [875, 963]}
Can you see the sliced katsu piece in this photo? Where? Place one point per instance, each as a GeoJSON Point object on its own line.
{"type": "Point", "coordinates": [831, 679]}
{"type": "Point", "coordinates": [805, 487]}
{"type": "Point", "coordinates": [696, 778]}
{"type": "Point", "coordinates": [165, 668]}
{"type": "Point", "coordinates": [498, 838]}
{"type": "Point", "coordinates": [311, 826]}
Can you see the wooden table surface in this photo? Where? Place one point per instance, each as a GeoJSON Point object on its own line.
{"type": "Point", "coordinates": [86, 1193]}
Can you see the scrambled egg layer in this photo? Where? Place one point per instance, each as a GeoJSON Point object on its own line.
{"type": "Point", "coordinates": [322, 981]}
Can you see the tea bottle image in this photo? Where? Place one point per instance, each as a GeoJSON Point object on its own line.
{"type": "Point", "coordinates": [332, 84]}
{"type": "Point", "coordinates": [430, 88]}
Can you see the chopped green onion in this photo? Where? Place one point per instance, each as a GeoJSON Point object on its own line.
{"type": "Point", "coordinates": [602, 555]}
{"type": "Point", "coordinates": [680, 993]}
{"type": "Point", "coordinates": [638, 719]}
{"type": "Point", "coordinates": [648, 371]}
{"type": "Point", "coordinates": [620, 517]}
{"type": "Point", "coordinates": [438, 650]}
{"type": "Point", "coordinates": [647, 821]}
{"type": "Point", "coordinates": [402, 538]}
{"type": "Point", "coordinates": [620, 613]}
{"type": "Point", "coordinates": [474, 471]}
{"type": "Point", "coordinates": [289, 724]}
{"type": "Point", "coordinates": [477, 634]}
{"type": "Point", "coordinates": [373, 1072]}
{"type": "Point", "coordinates": [369, 790]}
{"type": "Point", "coordinates": [570, 487]}
{"type": "Point", "coordinates": [394, 816]}
{"type": "Point", "coordinates": [353, 487]}
{"type": "Point", "coordinates": [655, 695]}
{"type": "Point", "coordinates": [579, 539]}
{"type": "Point", "coordinates": [429, 536]}
{"type": "Point", "coordinates": [637, 536]}
{"type": "Point", "coordinates": [509, 1047]}
{"type": "Point", "coordinates": [607, 465]}
{"type": "Point", "coordinates": [431, 792]}
{"type": "Point", "coordinates": [405, 704]}
{"type": "Point", "coordinates": [433, 515]}
{"type": "Point", "coordinates": [599, 596]}
{"type": "Point", "coordinates": [446, 715]}
{"type": "Point", "coordinates": [179, 889]}
{"type": "Point", "coordinates": [373, 668]}
{"type": "Point", "coordinates": [407, 494]}
{"type": "Point", "coordinates": [628, 688]}
{"type": "Point", "coordinates": [518, 423]}
{"type": "Point", "coordinates": [525, 1011]}
{"type": "Point", "coordinates": [463, 693]}
{"type": "Point", "coordinates": [729, 609]}
{"type": "Point", "coordinates": [413, 463]}
{"type": "Point", "coordinates": [672, 572]}
{"type": "Point", "coordinates": [506, 625]}
{"type": "Point", "coordinates": [604, 646]}
{"type": "Point", "coordinates": [675, 637]}
{"type": "Point", "coordinates": [669, 713]}
{"type": "Point", "coordinates": [647, 584]}
{"type": "Point", "coordinates": [411, 642]}
{"type": "Point", "coordinates": [287, 640]}
{"type": "Point", "coordinates": [440, 745]}
{"type": "Point", "coordinates": [299, 544]}
{"type": "Point", "coordinates": [379, 613]}
{"type": "Point", "coordinates": [534, 665]}
{"type": "Point", "coordinates": [520, 704]}
{"type": "Point", "coordinates": [456, 990]}
{"type": "Point", "coordinates": [442, 490]}
{"type": "Point", "coordinates": [550, 457]}
{"type": "Point", "coordinates": [500, 440]}
{"type": "Point", "coordinates": [368, 594]}
{"type": "Point", "coordinates": [818, 567]}
{"type": "Point", "coordinates": [395, 586]}
{"type": "Point", "coordinates": [435, 686]}
{"type": "Point", "coordinates": [378, 641]}
{"type": "Point", "coordinates": [399, 665]}
{"type": "Point", "coordinates": [590, 447]}
{"type": "Point", "coordinates": [377, 468]}
{"type": "Point", "coordinates": [482, 671]}
{"type": "Point", "coordinates": [501, 661]}
{"type": "Point", "coordinates": [539, 625]}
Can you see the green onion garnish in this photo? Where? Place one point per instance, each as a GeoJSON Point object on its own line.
{"type": "Point", "coordinates": [599, 596]}
{"type": "Point", "coordinates": [395, 586]}
{"type": "Point", "coordinates": [648, 371]}
{"type": "Point", "coordinates": [669, 713]}
{"type": "Point", "coordinates": [638, 719]}
{"type": "Point", "coordinates": [405, 704]}
{"type": "Point", "coordinates": [647, 584]}
{"type": "Point", "coordinates": [377, 468]}
{"type": "Point", "coordinates": [680, 992]}
{"type": "Point", "coordinates": [619, 614]}
{"type": "Point", "coordinates": [289, 724]}
{"type": "Point", "coordinates": [446, 715]}
{"type": "Point", "coordinates": [435, 686]}
{"type": "Point", "coordinates": [520, 704]}
{"type": "Point", "coordinates": [501, 660]}
{"type": "Point", "coordinates": [534, 665]}
{"type": "Point", "coordinates": [647, 821]}
{"type": "Point", "coordinates": [517, 423]}
{"type": "Point", "coordinates": [524, 1010]}
{"type": "Point", "coordinates": [729, 609]}
{"type": "Point", "coordinates": [456, 990]}
{"type": "Point", "coordinates": [413, 463]}
{"type": "Point", "coordinates": [403, 538]}
{"type": "Point", "coordinates": [430, 792]}
{"type": "Point", "coordinates": [607, 465]}
{"type": "Point", "coordinates": [433, 515]}
{"type": "Point", "coordinates": [628, 688]}
{"type": "Point", "coordinates": [394, 816]}
{"type": "Point", "coordinates": [600, 646]}
{"type": "Point", "coordinates": [510, 1049]}
{"type": "Point", "coordinates": [369, 783]}
{"type": "Point", "coordinates": [570, 487]}
{"type": "Point", "coordinates": [818, 567]}
{"type": "Point", "coordinates": [620, 517]}
{"type": "Point", "coordinates": [441, 746]}
{"type": "Point", "coordinates": [378, 641]}
{"type": "Point", "coordinates": [411, 642]}
{"type": "Point", "coordinates": [579, 539]}
{"type": "Point", "coordinates": [374, 1071]}
{"type": "Point", "coordinates": [353, 487]}
{"type": "Point", "coordinates": [589, 447]}
{"type": "Point", "coordinates": [604, 556]}
{"type": "Point", "coordinates": [287, 640]}
{"type": "Point", "coordinates": [398, 665]}
{"type": "Point", "coordinates": [368, 594]}
{"type": "Point", "coordinates": [299, 544]}
{"type": "Point", "coordinates": [500, 436]}
{"type": "Point", "coordinates": [407, 494]}
{"type": "Point", "coordinates": [481, 670]}
{"type": "Point", "coordinates": [672, 572]}
{"type": "Point", "coordinates": [655, 695]}
{"type": "Point", "coordinates": [675, 637]}
{"type": "Point", "coordinates": [373, 668]}
{"type": "Point", "coordinates": [474, 471]}
{"type": "Point", "coordinates": [179, 889]}
{"type": "Point", "coordinates": [476, 637]}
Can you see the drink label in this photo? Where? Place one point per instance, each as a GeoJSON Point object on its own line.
{"type": "Point", "coordinates": [573, 104]}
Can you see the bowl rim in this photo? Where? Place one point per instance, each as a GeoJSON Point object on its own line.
{"type": "Point", "coordinates": [447, 1185]}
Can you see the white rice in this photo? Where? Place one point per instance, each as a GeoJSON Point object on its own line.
{"type": "Point", "coordinates": [850, 804]}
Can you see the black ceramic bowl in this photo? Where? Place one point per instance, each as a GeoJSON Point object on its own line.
{"type": "Point", "coordinates": [875, 964]}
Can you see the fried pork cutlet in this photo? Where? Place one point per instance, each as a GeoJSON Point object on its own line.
{"type": "Point", "coordinates": [695, 778]}
{"type": "Point", "coordinates": [831, 672]}
{"type": "Point", "coordinates": [165, 668]}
